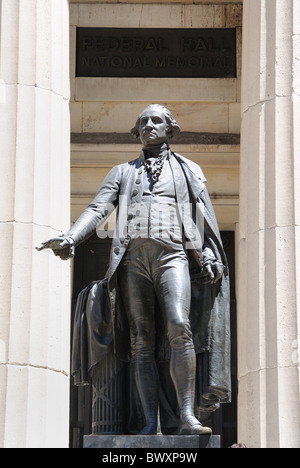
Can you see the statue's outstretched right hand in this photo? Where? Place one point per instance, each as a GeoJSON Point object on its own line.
{"type": "Point", "coordinates": [56, 243]}
{"type": "Point", "coordinates": [62, 247]}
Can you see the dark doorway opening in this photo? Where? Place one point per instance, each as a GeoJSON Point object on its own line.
{"type": "Point", "coordinates": [91, 263]}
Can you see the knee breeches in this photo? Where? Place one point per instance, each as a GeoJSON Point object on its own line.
{"type": "Point", "coordinates": [151, 272]}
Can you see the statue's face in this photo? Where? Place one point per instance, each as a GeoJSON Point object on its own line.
{"type": "Point", "coordinates": [153, 127]}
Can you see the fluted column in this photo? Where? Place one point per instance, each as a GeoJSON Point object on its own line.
{"type": "Point", "coordinates": [269, 244]}
{"type": "Point", "coordinates": [34, 205]}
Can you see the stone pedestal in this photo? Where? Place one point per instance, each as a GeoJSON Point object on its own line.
{"type": "Point", "coordinates": [163, 442]}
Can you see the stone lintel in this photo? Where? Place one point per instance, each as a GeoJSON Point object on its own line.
{"type": "Point", "coordinates": [200, 138]}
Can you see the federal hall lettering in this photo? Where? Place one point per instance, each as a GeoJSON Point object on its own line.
{"type": "Point", "coordinates": [149, 226]}
{"type": "Point", "coordinates": [161, 53]}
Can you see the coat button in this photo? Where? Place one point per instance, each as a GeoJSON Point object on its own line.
{"type": "Point", "coordinates": [134, 193]}
{"type": "Point", "coordinates": [117, 250]}
{"type": "Point", "coordinates": [138, 181]}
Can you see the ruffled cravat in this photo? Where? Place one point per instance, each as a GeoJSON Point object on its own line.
{"type": "Point", "coordinates": [154, 161]}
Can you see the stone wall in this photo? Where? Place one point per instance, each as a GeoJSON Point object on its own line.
{"type": "Point", "coordinates": [111, 105]}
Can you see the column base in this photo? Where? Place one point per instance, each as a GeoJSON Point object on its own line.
{"type": "Point", "coordinates": [151, 441]}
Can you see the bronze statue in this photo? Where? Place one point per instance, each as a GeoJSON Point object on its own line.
{"type": "Point", "coordinates": [168, 274]}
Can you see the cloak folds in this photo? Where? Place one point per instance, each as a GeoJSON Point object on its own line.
{"type": "Point", "coordinates": [92, 333]}
{"type": "Point", "coordinates": [210, 308]}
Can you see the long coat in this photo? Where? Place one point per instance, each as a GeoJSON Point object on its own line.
{"type": "Point", "coordinates": [210, 308]}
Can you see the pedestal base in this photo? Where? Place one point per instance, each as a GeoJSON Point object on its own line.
{"type": "Point", "coordinates": [152, 441]}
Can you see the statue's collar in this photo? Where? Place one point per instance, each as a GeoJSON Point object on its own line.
{"type": "Point", "coordinates": [158, 151]}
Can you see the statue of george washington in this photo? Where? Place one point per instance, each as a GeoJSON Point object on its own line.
{"type": "Point", "coordinates": [168, 275]}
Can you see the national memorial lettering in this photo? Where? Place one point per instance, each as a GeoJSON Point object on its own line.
{"type": "Point", "coordinates": [193, 53]}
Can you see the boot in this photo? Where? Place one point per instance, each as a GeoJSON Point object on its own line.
{"type": "Point", "coordinates": [147, 383]}
{"type": "Point", "coordinates": [189, 425]}
{"type": "Point", "coordinates": [183, 370]}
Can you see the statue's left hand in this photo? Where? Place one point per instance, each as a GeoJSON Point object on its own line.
{"type": "Point", "coordinates": [214, 271]}
{"type": "Point", "coordinates": [61, 246]}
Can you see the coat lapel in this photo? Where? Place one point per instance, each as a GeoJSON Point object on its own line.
{"type": "Point", "coordinates": [194, 175]}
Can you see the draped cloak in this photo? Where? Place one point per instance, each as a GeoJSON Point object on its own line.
{"type": "Point", "coordinates": [210, 305]}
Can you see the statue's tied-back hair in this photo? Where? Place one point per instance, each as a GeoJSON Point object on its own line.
{"type": "Point", "coordinates": [173, 130]}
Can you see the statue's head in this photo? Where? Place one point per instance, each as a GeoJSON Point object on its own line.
{"type": "Point", "coordinates": [155, 125]}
